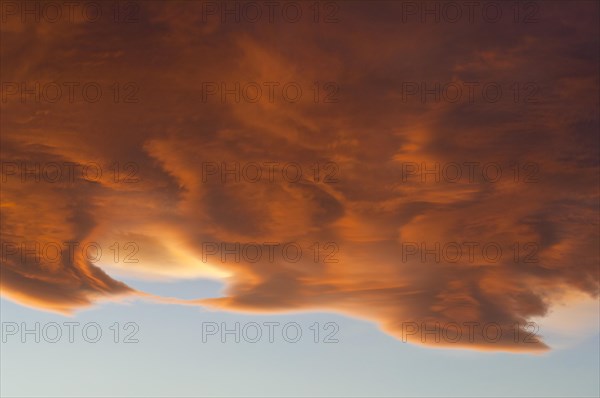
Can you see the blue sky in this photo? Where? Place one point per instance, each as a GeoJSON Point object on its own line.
{"type": "Point", "coordinates": [170, 358]}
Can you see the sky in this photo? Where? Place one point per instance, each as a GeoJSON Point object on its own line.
{"type": "Point", "coordinates": [352, 198]}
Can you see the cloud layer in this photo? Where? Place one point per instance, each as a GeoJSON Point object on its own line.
{"type": "Point", "coordinates": [368, 220]}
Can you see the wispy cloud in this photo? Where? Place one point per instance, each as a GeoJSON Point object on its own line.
{"type": "Point", "coordinates": [165, 132]}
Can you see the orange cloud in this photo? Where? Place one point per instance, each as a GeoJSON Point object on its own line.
{"type": "Point", "coordinates": [370, 233]}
